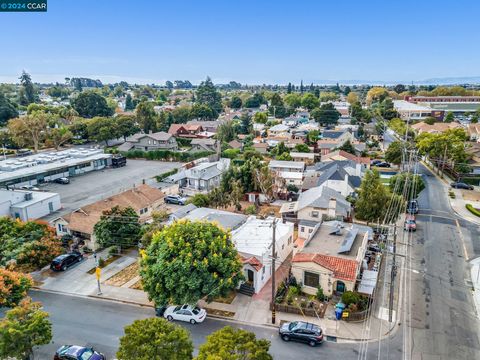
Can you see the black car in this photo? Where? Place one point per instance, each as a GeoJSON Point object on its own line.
{"type": "Point", "coordinates": [412, 207]}
{"type": "Point", "coordinates": [382, 164]}
{"type": "Point", "coordinates": [74, 352]}
{"type": "Point", "coordinates": [160, 310]}
{"type": "Point", "coordinates": [461, 185]}
{"type": "Point", "coordinates": [301, 331]}
{"type": "Point", "coordinates": [63, 262]}
{"type": "Point", "coordinates": [175, 199]}
{"type": "Point", "coordinates": [62, 180]}
{"type": "Point", "coordinates": [374, 162]}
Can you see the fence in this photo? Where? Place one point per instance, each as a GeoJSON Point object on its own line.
{"type": "Point", "coordinates": [309, 311]}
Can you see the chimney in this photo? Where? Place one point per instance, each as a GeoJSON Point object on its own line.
{"type": "Point", "coordinates": [332, 207]}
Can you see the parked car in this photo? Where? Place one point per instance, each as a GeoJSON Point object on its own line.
{"type": "Point", "coordinates": [412, 207]}
{"type": "Point", "coordinates": [410, 224]}
{"type": "Point", "coordinates": [29, 187]}
{"type": "Point", "coordinates": [461, 185]}
{"type": "Point", "coordinates": [63, 262]}
{"type": "Point", "coordinates": [62, 180]}
{"type": "Point", "coordinates": [160, 310]}
{"type": "Point", "coordinates": [175, 199]}
{"type": "Point", "coordinates": [187, 313]}
{"type": "Point", "coordinates": [374, 247]}
{"type": "Point", "coordinates": [374, 162]}
{"type": "Point", "coordinates": [75, 352]}
{"type": "Point", "coordinates": [383, 164]}
{"type": "Point", "coordinates": [301, 331]}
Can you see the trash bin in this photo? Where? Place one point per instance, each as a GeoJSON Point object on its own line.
{"type": "Point", "coordinates": [338, 313]}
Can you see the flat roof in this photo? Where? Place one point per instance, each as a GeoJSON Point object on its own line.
{"type": "Point", "coordinates": [37, 196]}
{"type": "Point", "coordinates": [286, 164]}
{"type": "Point", "coordinates": [14, 168]}
{"type": "Point", "coordinates": [402, 105]}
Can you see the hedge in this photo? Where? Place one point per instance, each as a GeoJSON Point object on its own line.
{"type": "Point", "coordinates": [473, 210]}
{"type": "Point", "coordinates": [165, 175]}
{"type": "Point", "coordinates": [166, 155]}
{"type": "Point", "coordinates": [471, 180]}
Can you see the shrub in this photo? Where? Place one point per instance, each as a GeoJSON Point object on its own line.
{"type": "Point", "coordinates": [251, 210]}
{"type": "Point", "coordinates": [231, 153]}
{"type": "Point", "coordinates": [320, 295]}
{"type": "Point", "coordinates": [113, 250]}
{"type": "Point", "coordinates": [472, 210]}
{"type": "Point", "coordinates": [166, 155]}
{"type": "Point", "coordinates": [292, 188]}
{"type": "Point", "coordinates": [165, 175]}
{"type": "Point", "coordinates": [350, 297]}
{"type": "Point", "coordinates": [101, 262]}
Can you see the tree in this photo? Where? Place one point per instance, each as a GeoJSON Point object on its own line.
{"type": "Point", "coordinates": [449, 117]}
{"type": "Point", "coordinates": [13, 287]}
{"type": "Point", "coordinates": [226, 132]}
{"type": "Point", "coordinates": [302, 148]}
{"type": "Point", "coordinates": [129, 106]}
{"type": "Point", "coordinates": [326, 114]}
{"type": "Point", "coordinates": [348, 147]}
{"type": "Point", "coordinates": [394, 152]}
{"type": "Point", "coordinates": [79, 128]}
{"type": "Point", "coordinates": [245, 123]}
{"type": "Point", "coordinates": [276, 107]}
{"type": "Point", "coordinates": [207, 94]}
{"type": "Point", "coordinates": [27, 91]}
{"type": "Point", "coordinates": [309, 101]}
{"type": "Point", "coordinates": [289, 88]}
{"type": "Point", "coordinates": [260, 117]}
{"type": "Point", "coordinates": [89, 104]}
{"type": "Point", "coordinates": [118, 226]}
{"type": "Point", "coordinates": [372, 199]}
{"type": "Point", "coordinates": [188, 261]}
{"type": "Point", "coordinates": [387, 110]}
{"type": "Point", "coordinates": [430, 120]}
{"type": "Point", "coordinates": [28, 130]}
{"type": "Point", "coordinates": [376, 94]}
{"type": "Point", "coordinates": [169, 84]}
{"type": "Point", "coordinates": [326, 96]}
{"type": "Point", "coordinates": [22, 328]}
{"type": "Point", "coordinates": [266, 181]}
{"type": "Point", "coordinates": [7, 109]}
{"type": "Point", "coordinates": [68, 113]}
{"type": "Point", "coordinates": [59, 136]}
{"type": "Point", "coordinates": [126, 126]}
{"type": "Point", "coordinates": [146, 116]}
{"type": "Point", "coordinates": [234, 344]}
{"type": "Point", "coordinates": [199, 200]}
{"type": "Point", "coordinates": [400, 88]}
{"type": "Point", "coordinates": [293, 101]}
{"type": "Point", "coordinates": [102, 129]}
{"type": "Point", "coordinates": [155, 339]}
{"type": "Point", "coordinates": [254, 101]}
{"type": "Point", "coordinates": [202, 112]}
{"type": "Point", "coordinates": [414, 184]}
{"type": "Point", "coordinates": [352, 98]}
{"type": "Point", "coordinates": [236, 102]}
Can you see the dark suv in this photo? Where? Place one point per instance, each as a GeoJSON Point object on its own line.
{"type": "Point", "coordinates": [412, 207]}
{"type": "Point", "coordinates": [64, 261]}
{"type": "Point", "coordinates": [301, 331]}
{"type": "Point", "coordinates": [461, 185]}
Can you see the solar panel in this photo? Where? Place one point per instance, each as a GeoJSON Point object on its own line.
{"type": "Point", "coordinates": [348, 241]}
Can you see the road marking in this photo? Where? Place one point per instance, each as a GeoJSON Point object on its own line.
{"type": "Point", "coordinates": [461, 238]}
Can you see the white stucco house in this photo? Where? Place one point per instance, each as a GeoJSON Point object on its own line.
{"type": "Point", "coordinates": [28, 205]}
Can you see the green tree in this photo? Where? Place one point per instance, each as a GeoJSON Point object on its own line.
{"type": "Point", "coordinates": [155, 339]}
{"type": "Point", "coordinates": [430, 120]}
{"type": "Point", "coordinates": [352, 98]}
{"type": "Point", "coordinates": [199, 200]}
{"type": "Point", "coordinates": [372, 199]}
{"type": "Point", "coordinates": [23, 328]}
{"type": "Point", "coordinates": [245, 123]}
{"type": "Point", "coordinates": [302, 148]}
{"type": "Point", "coordinates": [146, 116]}
{"type": "Point", "coordinates": [102, 129]}
{"type": "Point", "coordinates": [289, 88]}
{"type": "Point", "coordinates": [30, 130]}
{"type": "Point", "coordinates": [234, 344]}
{"type": "Point", "coordinates": [348, 147]}
{"type": "Point", "coordinates": [207, 94]}
{"type": "Point", "coordinates": [226, 132]}
{"type": "Point", "coordinates": [310, 101]}
{"type": "Point", "coordinates": [129, 106]}
{"type": "Point", "coordinates": [182, 114]}
{"type": "Point", "coordinates": [126, 126]}
{"type": "Point", "coordinates": [7, 109]}
{"type": "Point", "coordinates": [13, 287]}
{"type": "Point", "coordinates": [254, 101]}
{"type": "Point", "coordinates": [59, 136]}
{"type": "Point", "coordinates": [188, 261]}
{"type": "Point", "coordinates": [27, 91]}
{"type": "Point", "coordinates": [89, 104]}
{"type": "Point", "coordinates": [118, 226]}
{"type": "Point", "coordinates": [260, 117]}
{"type": "Point", "coordinates": [449, 117]}
{"type": "Point", "coordinates": [293, 101]}
{"type": "Point", "coordinates": [236, 102]}
{"type": "Point", "coordinates": [326, 114]}
{"type": "Point", "coordinates": [414, 185]}
{"type": "Point", "coordinates": [394, 152]}
{"type": "Point", "coordinates": [276, 107]}
{"type": "Point", "coordinates": [326, 96]}
{"type": "Point", "coordinates": [79, 128]}
{"type": "Point", "coordinates": [202, 112]}
{"type": "Point", "coordinates": [312, 136]}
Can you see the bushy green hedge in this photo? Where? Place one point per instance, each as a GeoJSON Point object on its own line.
{"type": "Point", "coordinates": [165, 175]}
{"type": "Point", "coordinates": [472, 180]}
{"type": "Point", "coordinates": [166, 155]}
{"type": "Point", "coordinates": [472, 210]}
{"type": "Point", "coordinates": [183, 142]}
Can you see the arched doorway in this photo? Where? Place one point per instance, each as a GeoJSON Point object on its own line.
{"type": "Point", "coordinates": [250, 276]}
{"type": "Point", "coordinates": [340, 287]}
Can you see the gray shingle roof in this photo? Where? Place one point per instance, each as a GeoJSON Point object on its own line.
{"type": "Point", "coordinates": [319, 197]}
{"type": "Point", "coordinates": [227, 220]}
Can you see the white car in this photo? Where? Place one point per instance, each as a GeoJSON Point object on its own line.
{"type": "Point", "coordinates": [188, 313]}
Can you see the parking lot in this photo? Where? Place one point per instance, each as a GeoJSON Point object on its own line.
{"type": "Point", "coordinates": [97, 185]}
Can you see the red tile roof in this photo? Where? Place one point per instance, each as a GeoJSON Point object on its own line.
{"type": "Point", "coordinates": [344, 269]}
{"type": "Point", "coordinates": [253, 261]}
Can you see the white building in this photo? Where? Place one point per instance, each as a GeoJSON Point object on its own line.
{"type": "Point", "coordinates": [253, 241]}
{"type": "Point", "coordinates": [411, 111]}
{"type": "Point", "coordinates": [28, 205]}
{"type": "Point", "coordinates": [290, 171]}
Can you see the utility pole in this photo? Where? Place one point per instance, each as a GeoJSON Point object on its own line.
{"type": "Point", "coordinates": [274, 225]}
{"type": "Point", "coordinates": [444, 160]}
{"type": "Point", "coordinates": [392, 274]}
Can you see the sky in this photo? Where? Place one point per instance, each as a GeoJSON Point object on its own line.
{"type": "Point", "coordinates": [249, 41]}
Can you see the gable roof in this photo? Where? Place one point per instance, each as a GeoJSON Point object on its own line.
{"type": "Point", "coordinates": [333, 134]}
{"type": "Point", "coordinates": [225, 219]}
{"type": "Point", "coordinates": [85, 218]}
{"type": "Point", "coordinates": [345, 269]}
{"type": "Point", "coordinates": [235, 144]}
{"type": "Point", "coordinates": [252, 261]}
{"type": "Point", "coordinates": [435, 128]}
{"type": "Point", "coordinates": [160, 136]}
{"type": "Point", "coordinates": [319, 197]}
{"type": "Point", "coordinates": [205, 142]}
{"type": "Point", "coordinates": [347, 156]}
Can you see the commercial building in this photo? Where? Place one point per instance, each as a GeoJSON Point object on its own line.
{"type": "Point", "coordinates": [28, 205]}
{"type": "Point", "coordinates": [411, 111]}
{"type": "Point", "coordinates": [48, 166]}
{"type": "Point", "coordinates": [455, 104]}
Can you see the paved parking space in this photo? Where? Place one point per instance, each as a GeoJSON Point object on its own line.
{"type": "Point", "coordinates": [96, 185]}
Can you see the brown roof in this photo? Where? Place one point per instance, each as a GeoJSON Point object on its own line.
{"type": "Point", "coordinates": [235, 144]}
{"type": "Point", "coordinates": [346, 155]}
{"type": "Point", "coordinates": [85, 218]}
{"type": "Point", "coordinates": [435, 128]}
{"type": "Point", "coordinates": [344, 269]}
{"type": "Point", "coordinates": [252, 261]}
{"type": "Point", "coordinates": [260, 145]}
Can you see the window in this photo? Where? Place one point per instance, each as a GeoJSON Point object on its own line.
{"type": "Point", "coordinates": [302, 229]}
{"type": "Point", "coordinates": [50, 206]}
{"type": "Point", "coordinates": [311, 279]}
{"type": "Point", "coordinates": [315, 214]}
{"type": "Point", "coordinates": [310, 231]}
{"type": "Point", "coordinates": [289, 240]}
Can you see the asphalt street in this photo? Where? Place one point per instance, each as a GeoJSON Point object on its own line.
{"type": "Point", "coordinates": [441, 319]}
{"type": "Point", "coordinates": [99, 323]}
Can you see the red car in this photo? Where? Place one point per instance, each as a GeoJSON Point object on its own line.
{"type": "Point", "coordinates": [410, 224]}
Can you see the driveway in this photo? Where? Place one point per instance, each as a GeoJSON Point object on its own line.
{"type": "Point", "coordinates": [96, 185]}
